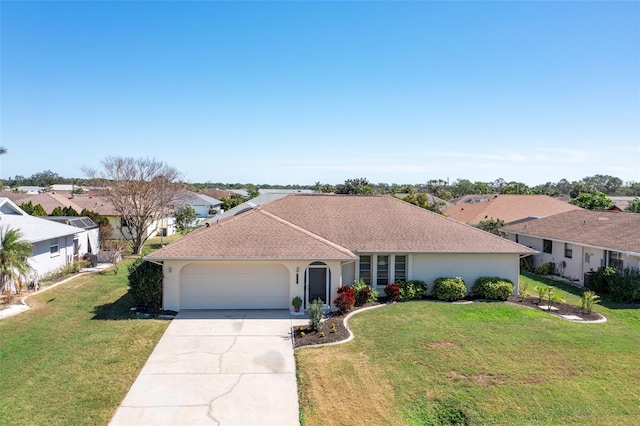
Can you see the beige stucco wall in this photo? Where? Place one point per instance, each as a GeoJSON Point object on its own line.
{"type": "Point", "coordinates": [296, 268]}
{"type": "Point", "coordinates": [469, 267]}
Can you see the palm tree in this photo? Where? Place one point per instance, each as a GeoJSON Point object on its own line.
{"type": "Point", "coordinates": [3, 150]}
{"type": "Point", "coordinates": [14, 256]}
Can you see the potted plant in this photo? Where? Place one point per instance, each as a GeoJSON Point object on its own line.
{"type": "Point", "coordinates": [297, 303]}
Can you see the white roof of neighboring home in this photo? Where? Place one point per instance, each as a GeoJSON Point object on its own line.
{"type": "Point", "coordinates": [33, 229]}
{"type": "Point", "coordinates": [246, 206]}
{"type": "Point", "coordinates": [195, 197]}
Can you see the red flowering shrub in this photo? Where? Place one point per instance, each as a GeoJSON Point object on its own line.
{"type": "Point", "coordinates": [345, 300]}
{"type": "Point", "coordinates": [393, 291]}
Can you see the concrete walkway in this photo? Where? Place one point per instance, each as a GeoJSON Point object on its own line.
{"type": "Point", "coordinates": [231, 367]}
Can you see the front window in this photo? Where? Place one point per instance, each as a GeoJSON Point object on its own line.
{"type": "Point", "coordinates": [382, 277]}
{"type": "Point", "coordinates": [365, 269]}
{"type": "Point", "coordinates": [401, 268]}
{"type": "Point", "coordinates": [568, 250]}
{"type": "Point", "coordinates": [546, 246]}
{"type": "Point", "coordinates": [54, 249]}
{"type": "Point", "coordinates": [615, 260]}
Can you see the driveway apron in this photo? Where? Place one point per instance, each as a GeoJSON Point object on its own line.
{"type": "Point", "coordinates": [227, 367]}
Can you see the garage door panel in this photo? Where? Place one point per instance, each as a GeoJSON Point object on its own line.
{"type": "Point", "coordinates": [234, 286]}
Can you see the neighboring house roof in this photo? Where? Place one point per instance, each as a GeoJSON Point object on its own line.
{"type": "Point", "coordinates": [622, 202]}
{"type": "Point", "coordinates": [284, 191]}
{"type": "Point", "coordinates": [96, 204]}
{"type": "Point", "coordinates": [217, 193]}
{"type": "Point", "coordinates": [48, 200]}
{"type": "Point", "coordinates": [83, 222]}
{"type": "Point", "coordinates": [196, 198]}
{"type": "Point", "coordinates": [335, 227]}
{"type": "Point", "coordinates": [616, 231]}
{"type": "Point", "coordinates": [472, 198]}
{"type": "Point", "coordinates": [508, 207]}
{"type": "Point", "coordinates": [246, 206]}
{"type": "Point", "coordinates": [33, 229]}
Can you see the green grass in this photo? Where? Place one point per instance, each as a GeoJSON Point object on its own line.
{"type": "Point", "coordinates": [422, 363]}
{"type": "Point", "coordinates": [72, 358]}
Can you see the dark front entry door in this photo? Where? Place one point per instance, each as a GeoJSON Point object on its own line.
{"type": "Point", "coordinates": [317, 276]}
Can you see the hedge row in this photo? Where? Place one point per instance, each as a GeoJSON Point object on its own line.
{"type": "Point", "coordinates": [450, 289]}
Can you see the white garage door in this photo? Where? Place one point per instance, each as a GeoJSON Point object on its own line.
{"type": "Point", "coordinates": [234, 286]}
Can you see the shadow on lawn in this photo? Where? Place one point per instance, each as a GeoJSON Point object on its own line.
{"type": "Point", "coordinates": [118, 310]}
{"type": "Point", "coordinates": [577, 291]}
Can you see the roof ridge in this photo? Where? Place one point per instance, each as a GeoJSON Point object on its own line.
{"type": "Point", "coordinates": [306, 232]}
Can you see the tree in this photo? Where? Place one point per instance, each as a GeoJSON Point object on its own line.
{"type": "Point", "coordinates": [493, 226]}
{"type": "Point", "coordinates": [232, 201]}
{"type": "Point", "coordinates": [592, 201]}
{"type": "Point", "coordinates": [185, 216]}
{"type": "Point", "coordinates": [138, 189]}
{"type": "Point", "coordinates": [515, 188]}
{"type": "Point", "coordinates": [360, 186]}
{"type": "Point", "coordinates": [14, 258]}
{"type": "Point", "coordinates": [633, 206]}
{"type": "Point", "coordinates": [32, 210]}
{"type": "Point", "coordinates": [603, 183]}
{"type": "Point", "coordinates": [3, 150]}
{"type": "Point", "coordinates": [424, 200]}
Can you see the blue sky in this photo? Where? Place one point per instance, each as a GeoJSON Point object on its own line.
{"type": "Point", "coordinates": [299, 92]}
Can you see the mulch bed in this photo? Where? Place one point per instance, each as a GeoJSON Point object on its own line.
{"type": "Point", "coordinates": [563, 308]}
{"type": "Point", "coordinates": [331, 334]}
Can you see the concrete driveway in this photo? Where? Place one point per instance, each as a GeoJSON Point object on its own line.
{"type": "Point", "coordinates": [231, 367]}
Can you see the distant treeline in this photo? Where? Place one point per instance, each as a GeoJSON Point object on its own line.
{"type": "Point", "coordinates": [609, 185]}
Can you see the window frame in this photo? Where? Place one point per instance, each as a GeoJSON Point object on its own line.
{"type": "Point", "coordinates": [403, 270]}
{"type": "Point", "coordinates": [54, 242]}
{"type": "Point", "coordinates": [365, 277]}
{"type": "Point", "coordinates": [547, 246]}
{"type": "Point", "coordinates": [382, 274]}
{"type": "Point", "coordinates": [568, 250]}
{"type": "Point", "coordinates": [617, 261]}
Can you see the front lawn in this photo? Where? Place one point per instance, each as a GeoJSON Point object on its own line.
{"type": "Point", "coordinates": [72, 358]}
{"type": "Point", "coordinates": [430, 363]}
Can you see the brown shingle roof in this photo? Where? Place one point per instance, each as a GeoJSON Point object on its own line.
{"type": "Point", "coordinates": [252, 235]}
{"type": "Point", "coordinates": [610, 230]}
{"type": "Point", "coordinates": [509, 208]}
{"type": "Point", "coordinates": [333, 227]}
{"type": "Point", "coordinates": [385, 224]}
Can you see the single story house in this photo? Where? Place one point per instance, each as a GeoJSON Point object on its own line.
{"type": "Point", "coordinates": [203, 205]}
{"type": "Point", "coordinates": [88, 241]}
{"type": "Point", "coordinates": [507, 207]}
{"type": "Point", "coordinates": [54, 244]}
{"type": "Point", "coordinates": [309, 245]}
{"type": "Point", "coordinates": [581, 241]}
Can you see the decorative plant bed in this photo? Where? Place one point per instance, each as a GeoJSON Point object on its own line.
{"type": "Point", "coordinates": [563, 310]}
{"type": "Point", "coordinates": [332, 330]}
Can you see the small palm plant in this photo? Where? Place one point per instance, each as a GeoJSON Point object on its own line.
{"type": "Point", "coordinates": [542, 291]}
{"type": "Point", "coordinates": [589, 298]}
{"type": "Point", "coordinates": [14, 258]}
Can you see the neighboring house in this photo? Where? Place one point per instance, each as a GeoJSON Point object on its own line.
{"type": "Point", "coordinates": [472, 198]}
{"type": "Point", "coordinates": [246, 206]}
{"type": "Point", "coordinates": [104, 207]}
{"type": "Point", "coordinates": [581, 241]}
{"type": "Point", "coordinates": [309, 245]}
{"type": "Point", "coordinates": [204, 205]}
{"type": "Point", "coordinates": [621, 203]}
{"type": "Point", "coordinates": [508, 207]}
{"type": "Point", "coordinates": [89, 241]}
{"type": "Point", "coordinates": [54, 244]}
{"type": "Point", "coordinates": [48, 200]}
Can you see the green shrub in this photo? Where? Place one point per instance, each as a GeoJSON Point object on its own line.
{"type": "Point", "coordinates": [412, 289]}
{"type": "Point", "coordinates": [315, 314]}
{"type": "Point", "coordinates": [492, 288]}
{"type": "Point", "coordinates": [622, 285]}
{"type": "Point", "coordinates": [145, 285]}
{"type": "Point", "coordinates": [364, 293]}
{"type": "Point", "coordinates": [589, 298]}
{"type": "Point", "coordinates": [449, 289]}
{"type": "Point", "coordinates": [548, 268]}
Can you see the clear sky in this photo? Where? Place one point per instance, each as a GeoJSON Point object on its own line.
{"type": "Point", "coordinates": [299, 92]}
